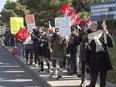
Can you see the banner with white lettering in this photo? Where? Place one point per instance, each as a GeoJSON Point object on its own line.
{"type": "Point", "coordinates": [64, 25]}
{"type": "Point", "coordinates": [103, 11]}
{"type": "Point", "coordinates": [30, 21]}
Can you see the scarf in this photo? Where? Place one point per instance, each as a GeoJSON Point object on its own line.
{"type": "Point", "coordinates": [95, 36]}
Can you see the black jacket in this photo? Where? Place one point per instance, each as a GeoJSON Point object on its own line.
{"type": "Point", "coordinates": [72, 44]}
{"type": "Point", "coordinates": [83, 40]}
{"type": "Point", "coordinates": [99, 61]}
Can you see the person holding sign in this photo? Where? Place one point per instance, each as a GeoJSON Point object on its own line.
{"type": "Point", "coordinates": [97, 55]}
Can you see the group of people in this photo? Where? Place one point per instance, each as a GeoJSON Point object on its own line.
{"type": "Point", "coordinates": [8, 38]}
{"type": "Point", "coordinates": [87, 46]}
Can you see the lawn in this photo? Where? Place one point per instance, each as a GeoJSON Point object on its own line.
{"type": "Point", "coordinates": [112, 74]}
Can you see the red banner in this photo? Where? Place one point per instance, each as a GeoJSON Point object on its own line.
{"type": "Point", "coordinates": [66, 10]}
{"type": "Point", "coordinates": [22, 34]}
{"type": "Point", "coordinates": [84, 22]}
{"type": "Point", "coordinates": [14, 51]}
{"type": "Point", "coordinates": [75, 19]}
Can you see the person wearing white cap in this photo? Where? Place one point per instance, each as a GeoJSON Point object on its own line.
{"type": "Point", "coordinates": [97, 55]}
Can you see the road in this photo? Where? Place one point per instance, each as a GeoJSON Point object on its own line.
{"type": "Point", "coordinates": [13, 74]}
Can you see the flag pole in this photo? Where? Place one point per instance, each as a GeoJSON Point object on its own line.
{"type": "Point", "coordinates": [105, 38]}
{"type": "Point", "coordinates": [34, 36]}
{"type": "Point", "coordinates": [104, 24]}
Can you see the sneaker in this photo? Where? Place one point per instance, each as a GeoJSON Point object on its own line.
{"type": "Point", "coordinates": [79, 75]}
{"type": "Point", "coordinates": [87, 85]}
{"type": "Point", "coordinates": [82, 84]}
{"type": "Point", "coordinates": [36, 65]}
{"type": "Point", "coordinates": [48, 71]}
{"type": "Point", "coordinates": [26, 62]}
{"type": "Point", "coordinates": [53, 75]}
{"type": "Point", "coordinates": [41, 70]}
{"type": "Point", "coordinates": [59, 77]}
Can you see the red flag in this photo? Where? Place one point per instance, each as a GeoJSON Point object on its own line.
{"type": "Point", "coordinates": [14, 51]}
{"type": "Point", "coordinates": [66, 10]}
{"type": "Point", "coordinates": [75, 19]}
{"type": "Point", "coordinates": [84, 22]}
{"type": "Point", "coordinates": [22, 34]}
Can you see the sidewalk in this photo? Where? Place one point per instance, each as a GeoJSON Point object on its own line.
{"type": "Point", "coordinates": [66, 81]}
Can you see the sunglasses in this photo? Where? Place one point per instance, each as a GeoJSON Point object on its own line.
{"type": "Point", "coordinates": [56, 31]}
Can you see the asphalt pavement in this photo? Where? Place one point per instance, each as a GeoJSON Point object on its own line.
{"type": "Point", "coordinates": [13, 73]}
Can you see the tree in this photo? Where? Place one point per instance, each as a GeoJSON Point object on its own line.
{"type": "Point", "coordinates": [44, 10]}
{"type": "Point", "coordinates": [12, 9]}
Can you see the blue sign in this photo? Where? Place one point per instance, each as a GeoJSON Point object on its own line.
{"type": "Point", "coordinates": [103, 11]}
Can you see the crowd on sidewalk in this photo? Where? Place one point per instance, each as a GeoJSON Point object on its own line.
{"type": "Point", "coordinates": [85, 50]}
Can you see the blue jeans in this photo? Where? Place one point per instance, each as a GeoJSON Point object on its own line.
{"type": "Point", "coordinates": [54, 62]}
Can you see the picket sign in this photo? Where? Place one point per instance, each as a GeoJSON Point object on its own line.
{"type": "Point", "coordinates": [63, 24]}
{"type": "Point", "coordinates": [15, 24]}
{"type": "Point", "coordinates": [102, 11]}
{"type": "Point", "coordinates": [30, 21]}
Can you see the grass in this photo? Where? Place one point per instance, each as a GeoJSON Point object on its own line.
{"type": "Point", "coordinates": [112, 74]}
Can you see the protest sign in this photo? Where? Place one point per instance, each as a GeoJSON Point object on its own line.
{"type": "Point", "coordinates": [103, 11]}
{"type": "Point", "coordinates": [15, 24]}
{"type": "Point", "coordinates": [22, 34]}
{"type": "Point", "coordinates": [30, 21]}
{"type": "Point", "coordinates": [64, 25]}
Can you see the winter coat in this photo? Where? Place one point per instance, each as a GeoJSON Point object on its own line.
{"type": "Point", "coordinates": [35, 41]}
{"type": "Point", "coordinates": [40, 44]}
{"type": "Point", "coordinates": [99, 61]}
{"type": "Point", "coordinates": [73, 44]}
{"type": "Point", "coordinates": [46, 47]}
{"type": "Point", "coordinates": [83, 40]}
{"type": "Point", "coordinates": [58, 47]}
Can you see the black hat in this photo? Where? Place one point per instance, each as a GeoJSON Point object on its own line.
{"type": "Point", "coordinates": [56, 29]}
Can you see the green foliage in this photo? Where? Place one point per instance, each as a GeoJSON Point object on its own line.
{"type": "Point", "coordinates": [44, 10]}
{"type": "Point", "coordinates": [12, 9]}
{"type": "Point", "coordinates": [112, 73]}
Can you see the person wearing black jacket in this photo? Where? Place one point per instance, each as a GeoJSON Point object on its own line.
{"type": "Point", "coordinates": [97, 55]}
{"type": "Point", "coordinates": [73, 50]}
{"type": "Point", "coordinates": [46, 51]}
{"type": "Point", "coordinates": [35, 45]}
{"type": "Point", "coordinates": [83, 40]}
